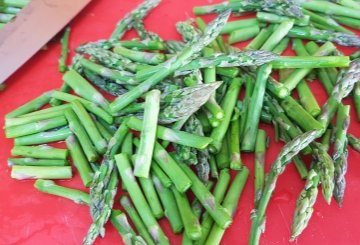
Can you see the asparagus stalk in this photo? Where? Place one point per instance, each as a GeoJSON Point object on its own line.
{"type": "Point", "coordinates": [136, 220]}
{"type": "Point", "coordinates": [31, 106]}
{"type": "Point", "coordinates": [228, 104]}
{"type": "Point", "coordinates": [354, 23]}
{"type": "Point", "coordinates": [356, 97]}
{"type": "Point", "coordinates": [42, 151]}
{"type": "Point", "coordinates": [340, 152]}
{"type": "Point", "coordinates": [15, 3]}
{"type": "Point", "coordinates": [44, 137]}
{"type": "Point", "coordinates": [290, 150]}
{"type": "Point", "coordinates": [277, 19]}
{"type": "Point", "coordinates": [170, 207]}
{"type": "Point", "coordinates": [354, 142]}
{"type": "Point", "coordinates": [16, 121]}
{"type": "Point", "coordinates": [79, 160]}
{"type": "Point", "coordinates": [172, 135]}
{"type": "Point", "coordinates": [9, 10]}
{"type": "Point", "coordinates": [138, 199]}
{"type": "Point", "coordinates": [304, 204]}
{"type": "Point", "coordinates": [255, 106]}
{"type": "Point", "coordinates": [223, 156]}
{"type": "Point", "coordinates": [260, 39]}
{"type": "Point", "coordinates": [211, 32]}
{"type": "Point", "coordinates": [215, 210]}
{"type": "Point", "coordinates": [278, 34]}
{"type": "Point", "coordinates": [259, 171]}
{"type": "Point", "coordinates": [330, 8]}
{"type": "Point", "coordinates": [310, 62]}
{"type": "Point", "coordinates": [282, 46]}
{"type": "Point", "coordinates": [64, 50]}
{"type": "Point", "coordinates": [307, 99]}
{"type": "Point", "coordinates": [37, 162]}
{"type": "Point", "coordinates": [235, 157]}
{"type": "Point", "coordinates": [219, 193]}
{"type": "Point", "coordinates": [230, 203]}
{"type": "Point", "coordinates": [243, 34]}
{"type": "Point", "coordinates": [148, 134]}
{"type": "Point", "coordinates": [41, 172]}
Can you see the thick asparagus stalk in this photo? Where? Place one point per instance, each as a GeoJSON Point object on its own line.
{"type": "Point", "coordinates": [278, 34]}
{"type": "Point", "coordinates": [148, 134]}
{"type": "Point", "coordinates": [37, 162]}
{"type": "Point", "coordinates": [330, 8]}
{"type": "Point", "coordinates": [41, 172]}
{"type": "Point", "coordinates": [255, 106]}
{"type": "Point", "coordinates": [277, 19]}
{"type": "Point", "coordinates": [307, 99]}
{"type": "Point", "coordinates": [235, 157]}
{"type": "Point", "coordinates": [42, 151]}
{"type": "Point", "coordinates": [290, 150]}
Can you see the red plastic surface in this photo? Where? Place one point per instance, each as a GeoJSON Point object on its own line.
{"type": "Point", "coordinates": [33, 218]}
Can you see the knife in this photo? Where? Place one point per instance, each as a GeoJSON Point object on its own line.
{"type": "Point", "coordinates": [32, 28]}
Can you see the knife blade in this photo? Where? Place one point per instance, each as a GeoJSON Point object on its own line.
{"type": "Point", "coordinates": [33, 27]}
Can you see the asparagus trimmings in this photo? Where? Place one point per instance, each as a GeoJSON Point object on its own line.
{"type": "Point", "coordinates": [169, 66]}
{"type": "Point", "coordinates": [42, 151]}
{"type": "Point", "coordinates": [290, 150]}
{"type": "Point", "coordinates": [137, 197]}
{"type": "Point", "coordinates": [41, 172]}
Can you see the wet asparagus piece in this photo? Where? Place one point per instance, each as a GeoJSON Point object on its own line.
{"type": "Point", "coordinates": [41, 172]}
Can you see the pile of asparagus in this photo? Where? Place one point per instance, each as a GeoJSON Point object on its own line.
{"type": "Point", "coordinates": [176, 109]}
{"type": "Point", "coordinates": [9, 10]}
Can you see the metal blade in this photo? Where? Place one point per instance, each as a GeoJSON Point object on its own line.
{"type": "Point", "coordinates": [33, 27]}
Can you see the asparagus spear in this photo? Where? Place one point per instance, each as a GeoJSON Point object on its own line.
{"type": "Point", "coordinates": [135, 218]}
{"type": "Point", "coordinates": [307, 99]}
{"type": "Point", "coordinates": [356, 97]}
{"type": "Point", "coordinates": [79, 160]}
{"type": "Point", "coordinates": [342, 88]}
{"type": "Point", "coordinates": [255, 106]}
{"type": "Point", "coordinates": [211, 32]}
{"type": "Point", "coordinates": [37, 162]}
{"type": "Point", "coordinates": [42, 151]}
{"type": "Point", "coordinates": [41, 172]}
{"type": "Point", "coordinates": [243, 34]}
{"type": "Point", "coordinates": [64, 50]}
{"type": "Point", "coordinates": [277, 19]}
{"type": "Point", "coordinates": [340, 152]}
{"type": "Point", "coordinates": [330, 8]}
{"type": "Point", "coordinates": [172, 135]}
{"type": "Point", "coordinates": [260, 149]}
{"type": "Point", "coordinates": [230, 203]}
{"type": "Point", "coordinates": [148, 134]}
{"type": "Point", "coordinates": [354, 142]}
{"type": "Point", "coordinates": [228, 104]}
{"type": "Point", "coordinates": [138, 199]}
{"type": "Point", "coordinates": [304, 204]}
{"type": "Point", "coordinates": [278, 34]}
{"type": "Point", "coordinates": [44, 137]}
{"type": "Point", "coordinates": [235, 158]}
{"type": "Point", "coordinates": [260, 39]}
{"type": "Point", "coordinates": [290, 150]}
{"type": "Point", "coordinates": [170, 207]}
{"type": "Point", "coordinates": [128, 21]}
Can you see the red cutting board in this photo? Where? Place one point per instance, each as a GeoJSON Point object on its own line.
{"type": "Point", "coordinates": [33, 218]}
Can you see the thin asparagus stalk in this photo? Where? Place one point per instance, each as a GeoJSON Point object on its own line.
{"type": "Point", "coordinates": [42, 151]}
{"type": "Point", "coordinates": [232, 26]}
{"type": "Point", "coordinates": [260, 39]}
{"type": "Point", "coordinates": [354, 142]}
{"type": "Point", "coordinates": [103, 131]}
{"type": "Point", "coordinates": [170, 207]}
{"type": "Point", "coordinates": [41, 172]}
{"type": "Point", "coordinates": [310, 62]}
{"type": "Point", "coordinates": [148, 134]}
{"type": "Point", "coordinates": [255, 106]}
{"type": "Point", "coordinates": [342, 88]}
{"type": "Point", "coordinates": [300, 167]}
{"type": "Point", "coordinates": [90, 127]}
{"type": "Point", "coordinates": [191, 223]}
{"type": "Point", "coordinates": [170, 167]}
{"type": "Point", "coordinates": [136, 220]}
{"type": "Point", "coordinates": [31, 106]}
{"type": "Point", "coordinates": [307, 99]}
{"type": "Point", "coordinates": [278, 34]}
{"type": "Point", "coordinates": [172, 135]}
{"type": "Point", "coordinates": [211, 32]}
{"type": "Point", "coordinates": [44, 137]}
{"type": "Point", "coordinates": [127, 146]}
{"type": "Point", "coordinates": [243, 34]}
{"type": "Point", "coordinates": [139, 200]}
{"type": "Point", "coordinates": [356, 97]}
{"type": "Point", "coordinates": [85, 89]}
{"type": "Point", "coordinates": [127, 22]}
{"type": "Point", "coordinates": [64, 50]}
{"type": "Point", "coordinates": [282, 46]}
{"type": "Point", "coordinates": [83, 138]}
{"type": "Point", "coordinates": [37, 162]}
{"type": "Point", "coordinates": [50, 110]}
{"type": "Point", "coordinates": [219, 193]}
{"type": "Point", "coordinates": [222, 158]}
{"type": "Point", "coordinates": [155, 45]}
{"type": "Point", "coordinates": [290, 150]}
{"type": "Point", "coordinates": [304, 204]}
{"type": "Point", "coordinates": [330, 8]}
{"type": "Point", "coordinates": [340, 152]}
{"type": "Point", "coordinates": [259, 171]}
{"type": "Point", "coordinates": [354, 23]}
{"type": "Point", "coordinates": [249, 85]}
{"type": "Point", "coordinates": [79, 160]}
{"type": "Point", "coordinates": [141, 56]}
{"type": "Point", "coordinates": [235, 157]}
{"type": "Point", "coordinates": [215, 210]}
{"type": "Point", "coordinates": [230, 203]}
{"type": "Point", "coordinates": [311, 33]}
{"type": "Point", "coordinates": [326, 139]}
{"type": "Point", "coordinates": [277, 19]}
{"type": "Point", "coordinates": [228, 105]}
{"type": "Point", "coordinates": [213, 168]}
